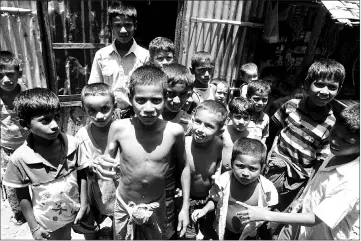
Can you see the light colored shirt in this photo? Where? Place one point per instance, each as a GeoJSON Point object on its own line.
{"type": "Point", "coordinates": [55, 192]}
{"type": "Point", "coordinates": [13, 134]}
{"type": "Point", "coordinates": [110, 68]}
{"type": "Point", "coordinates": [220, 193]}
{"type": "Point", "coordinates": [333, 196]}
{"type": "Point", "coordinates": [259, 128]}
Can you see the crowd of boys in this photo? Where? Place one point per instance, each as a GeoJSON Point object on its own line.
{"type": "Point", "coordinates": [171, 153]}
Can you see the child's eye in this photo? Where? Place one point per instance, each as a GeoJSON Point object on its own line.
{"type": "Point", "coordinates": [140, 100]}
{"type": "Point", "coordinates": [264, 100]}
{"type": "Point", "coordinates": [160, 59]}
{"type": "Point", "coordinates": [319, 84]}
{"type": "Point", "coordinates": [157, 100]}
{"type": "Point", "coordinates": [105, 109]}
{"type": "Point", "coordinates": [57, 117]}
{"type": "Point", "coordinates": [169, 58]}
{"type": "Point", "coordinates": [332, 87]}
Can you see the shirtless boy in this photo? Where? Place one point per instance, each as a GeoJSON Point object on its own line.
{"type": "Point", "coordinates": [204, 153]}
{"type": "Point", "coordinates": [147, 145]}
{"type": "Point", "coordinates": [240, 110]}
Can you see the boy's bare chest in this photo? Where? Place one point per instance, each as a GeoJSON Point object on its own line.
{"type": "Point", "coordinates": [247, 195]}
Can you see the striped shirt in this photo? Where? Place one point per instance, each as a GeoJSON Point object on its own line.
{"type": "Point", "coordinates": [304, 135]}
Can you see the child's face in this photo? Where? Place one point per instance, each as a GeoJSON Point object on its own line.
{"type": "Point", "coordinates": [203, 72]}
{"type": "Point", "coordinates": [221, 93]}
{"type": "Point", "coordinates": [246, 169]}
{"type": "Point", "coordinates": [250, 76]}
{"type": "Point", "coordinates": [176, 97]}
{"type": "Point", "coordinates": [205, 126]}
{"type": "Point", "coordinates": [272, 80]}
{"type": "Point", "coordinates": [260, 100]}
{"type": "Point", "coordinates": [123, 28]}
{"type": "Point", "coordinates": [46, 126]}
{"type": "Point", "coordinates": [322, 91]}
{"type": "Point", "coordinates": [162, 58]}
{"type": "Point", "coordinates": [8, 78]}
{"type": "Point", "coordinates": [240, 121]}
{"type": "Point", "coordinates": [342, 142]}
{"type": "Point", "coordinates": [99, 108]}
{"type": "Point", "coordinates": [148, 103]}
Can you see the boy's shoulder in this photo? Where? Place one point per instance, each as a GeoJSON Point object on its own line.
{"type": "Point", "coordinates": [175, 128]}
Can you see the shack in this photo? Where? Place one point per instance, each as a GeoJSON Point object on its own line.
{"type": "Point", "coordinates": [56, 40]}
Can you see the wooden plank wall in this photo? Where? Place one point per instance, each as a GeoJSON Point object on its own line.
{"type": "Point", "coordinates": [19, 33]}
{"type": "Point", "coordinates": [231, 45]}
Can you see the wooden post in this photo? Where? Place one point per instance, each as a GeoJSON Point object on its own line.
{"type": "Point", "coordinates": [48, 53]}
{"type": "Point", "coordinates": [312, 44]}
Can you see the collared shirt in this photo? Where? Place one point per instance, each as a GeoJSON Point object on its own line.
{"type": "Point", "coordinates": [333, 196]}
{"type": "Point", "coordinates": [13, 134]}
{"type": "Point", "coordinates": [220, 193]}
{"type": "Point", "coordinates": [110, 68]}
{"type": "Point", "coordinates": [304, 137]}
{"type": "Point", "coordinates": [55, 195]}
{"type": "Point", "coordinates": [259, 128]}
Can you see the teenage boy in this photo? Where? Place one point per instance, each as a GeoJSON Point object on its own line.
{"type": "Point", "coordinates": [145, 147]}
{"type": "Point", "coordinates": [115, 63]}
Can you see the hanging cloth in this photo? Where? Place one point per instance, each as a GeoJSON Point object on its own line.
{"type": "Point", "coordinates": [271, 32]}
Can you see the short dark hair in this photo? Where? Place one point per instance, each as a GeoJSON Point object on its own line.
{"type": "Point", "coordinates": [119, 8]}
{"type": "Point", "coordinates": [8, 59]}
{"type": "Point", "coordinates": [248, 67]}
{"type": "Point", "coordinates": [250, 147]}
{"type": "Point", "coordinates": [214, 107]}
{"type": "Point", "coordinates": [160, 44]}
{"type": "Point", "coordinates": [147, 75]}
{"type": "Point", "coordinates": [350, 117]}
{"type": "Point", "coordinates": [97, 89]}
{"type": "Point", "coordinates": [240, 105]}
{"type": "Point", "coordinates": [325, 69]}
{"type": "Point", "coordinates": [258, 85]}
{"type": "Point", "coordinates": [201, 56]}
{"type": "Point", "coordinates": [34, 102]}
{"type": "Point", "coordinates": [217, 81]}
{"type": "Point", "coordinates": [178, 74]}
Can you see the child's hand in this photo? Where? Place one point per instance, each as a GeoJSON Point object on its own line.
{"type": "Point", "coordinates": [197, 214]}
{"type": "Point", "coordinates": [183, 221]}
{"type": "Point", "coordinates": [40, 233]}
{"type": "Point", "coordinates": [251, 214]}
{"type": "Point", "coordinates": [80, 214]}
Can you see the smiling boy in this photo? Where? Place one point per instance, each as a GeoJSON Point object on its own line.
{"type": "Point", "coordinates": [304, 128]}
{"type": "Point", "coordinates": [146, 146]}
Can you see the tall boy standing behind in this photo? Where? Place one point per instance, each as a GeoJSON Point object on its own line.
{"type": "Point", "coordinates": [12, 133]}
{"type": "Point", "coordinates": [115, 63]}
{"type": "Point", "coordinates": [161, 51]}
{"type": "Point", "coordinates": [204, 153]}
{"type": "Point", "coordinates": [48, 161]}
{"type": "Point", "coordinates": [304, 127]}
{"type": "Point", "coordinates": [147, 145]}
{"type": "Point", "coordinates": [331, 203]}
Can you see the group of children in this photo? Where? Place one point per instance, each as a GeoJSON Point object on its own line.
{"type": "Point", "coordinates": [191, 160]}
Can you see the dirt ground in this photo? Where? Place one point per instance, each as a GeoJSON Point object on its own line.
{"type": "Point", "coordinates": [11, 231]}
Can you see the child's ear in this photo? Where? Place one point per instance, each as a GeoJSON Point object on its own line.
{"type": "Point", "coordinates": [220, 131]}
{"type": "Point", "coordinates": [135, 24]}
{"type": "Point", "coordinates": [24, 124]}
{"type": "Point", "coordinates": [20, 74]}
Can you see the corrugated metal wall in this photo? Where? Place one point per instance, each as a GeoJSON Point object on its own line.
{"type": "Point", "coordinates": [231, 45]}
{"type": "Point", "coordinates": [20, 34]}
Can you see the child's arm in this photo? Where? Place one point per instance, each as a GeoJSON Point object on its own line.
{"type": "Point", "coordinates": [199, 213]}
{"type": "Point", "coordinates": [183, 217]}
{"type": "Point", "coordinates": [261, 214]}
{"type": "Point", "coordinates": [265, 131]}
{"type": "Point", "coordinates": [96, 72]}
{"type": "Point", "coordinates": [38, 232]}
{"type": "Point", "coordinates": [83, 196]}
